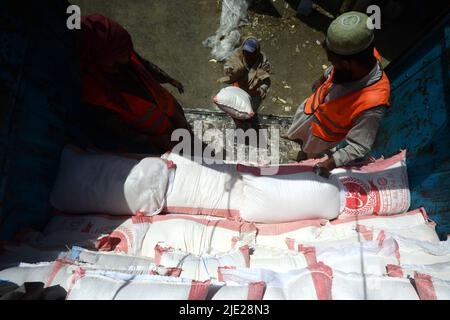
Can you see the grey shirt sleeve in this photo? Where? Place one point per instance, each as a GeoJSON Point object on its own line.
{"type": "Point", "coordinates": [361, 136]}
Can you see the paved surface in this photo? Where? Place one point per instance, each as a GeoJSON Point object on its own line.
{"type": "Point", "coordinates": [170, 33]}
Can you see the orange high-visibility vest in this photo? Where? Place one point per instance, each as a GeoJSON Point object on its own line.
{"type": "Point", "coordinates": [332, 120]}
{"type": "Point", "coordinates": [150, 116]}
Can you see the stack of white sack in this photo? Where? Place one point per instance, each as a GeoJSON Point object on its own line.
{"type": "Point", "coordinates": [375, 257]}
{"type": "Point", "coordinates": [61, 271]}
{"type": "Point", "coordinates": [202, 245]}
{"type": "Point", "coordinates": [141, 281]}
{"type": "Point", "coordinates": [98, 285]}
{"type": "Point", "coordinates": [201, 234]}
{"type": "Point", "coordinates": [414, 224]}
{"type": "Point", "coordinates": [357, 251]}
{"type": "Point", "coordinates": [103, 183]}
{"type": "Point", "coordinates": [139, 234]}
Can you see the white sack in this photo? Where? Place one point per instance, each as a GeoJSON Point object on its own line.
{"type": "Point", "coordinates": [275, 259]}
{"type": "Point", "coordinates": [103, 183]}
{"type": "Point", "coordinates": [236, 102]}
{"type": "Point", "coordinates": [310, 232]}
{"type": "Point", "coordinates": [119, 286]}
{"type": "Point", "coordinates": [313, 283]}
{"type": "Point", "coordinates": [99, 232]}
{"type": "Point", "coordinates": [193, 234]}
{"type": "Point", "coordinates": [413, 251]}
{"type": "Point", "coordinates": [437, 270]}
{"type": "Point", "coordinates": [431, 288]}
{"type": "Point", "coordinates": [250, 291]}
{"type": "Point", "coordinates": [354, 286]}
{"type": "Point", "coordinates": [284, 198]}
{"type": "Point", "coordinates": [378, 188]}
{"type": "Point", "coordinates": [204, 189]}
{"type": "Point", "coordinates": [370, 257]}
{"type": "Point", "coordinates": [201, 267]}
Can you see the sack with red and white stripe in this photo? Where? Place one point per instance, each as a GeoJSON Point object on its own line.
{"type": "Point", "coordinates": [139, 235]}
{"type": "Point", "coordinates": [431, 288]}
{"type": "Point", "coordinates": [193, 234]}
{"type": "Point", "coordinates": [356, 286]}
{"type": "Point", "coordinates": [413, 251]}
{"type": "Point", "coordinates": [412, 224]}
{"type": "Point", "coordinates": [201, 267]}
{"type": "Point", "coordinates": [437, 270]}
{"type": "Point", "coordinates": [101, 285]}
{"type": "Point", "coordinates": [279, 260]}
{"type": "Point", "coordinates": [202, 189]}
{"type": "Point", "coordinates": [49, 273]}
{"type": "Point", "coordinates": [248, 291]}
{"type": "Point", "coordinates": [321, 282]}
{"type": "Point", "coordinates": [311, 283]}
{"type": "Point", "coordinates": [369, 257]}
{"type": "Point", "coordinates": [380, 187]}
{"type": "Point", "coordinates": [109, 260]}
{"type": "Point", "coordinates": [120, 262]}
{"type": "Point", "coordinates": [311, 232]}
{"type": "Point", "coordinates": [96, 232]}
{"type": "Point", "coordinates": [59, 272]}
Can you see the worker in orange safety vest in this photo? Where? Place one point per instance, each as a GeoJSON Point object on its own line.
{"type": "Point", "coordinates": [342, 116]}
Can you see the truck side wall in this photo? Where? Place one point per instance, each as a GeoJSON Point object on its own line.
{"type": "Point", "coordinates": [419, 121]}
{"type": "Point", "coordinates": [39, 102]}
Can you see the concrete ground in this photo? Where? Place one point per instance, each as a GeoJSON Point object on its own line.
{"type": "Point", "coordinates": [170, 34]}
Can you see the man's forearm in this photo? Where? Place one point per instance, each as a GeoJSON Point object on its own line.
{"type": "Point", "coordinates": [361, 137]}
{"type": "Point", "coordinates": [349, 153]}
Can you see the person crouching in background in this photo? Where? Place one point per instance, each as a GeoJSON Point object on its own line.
{"type": "Point", "coordinates": [249, 69]}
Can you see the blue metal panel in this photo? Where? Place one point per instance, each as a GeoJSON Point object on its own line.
{"type": "Point", "coordinates": [419, 122]}
{"type": "Point", "coordinates": [40, 101]}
